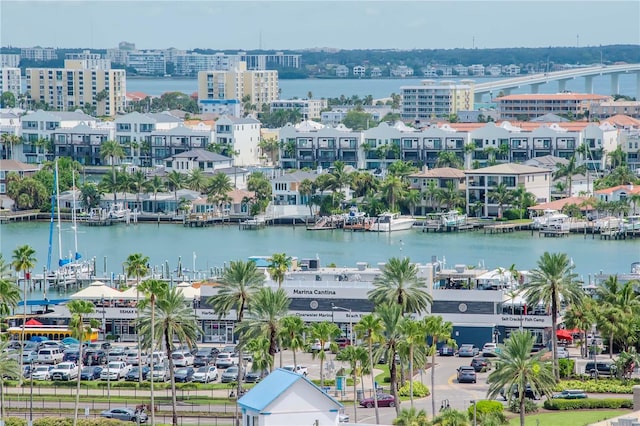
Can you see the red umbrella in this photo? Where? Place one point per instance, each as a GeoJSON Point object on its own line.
{"type": "Point", "coordinates": [564, 334]}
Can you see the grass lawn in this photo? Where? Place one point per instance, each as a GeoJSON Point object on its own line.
{"type": "Point", "coordinates": [568, 418]}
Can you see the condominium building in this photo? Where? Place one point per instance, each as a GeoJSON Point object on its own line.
{"type": "Point", "coordinates": [147, 62]}
{"type": "Point", "coordinates": [602, 110]}
{"type": "Point", "coordinates": [135, 132]}
{"type": "Point", "coordinates": [259, 87]}
{"type": "Point", "coordinates": [87, 60]}
{"type": "Point", "coordinates": [242, 136]}
{"type": "Point", "coordinates": [433, 99]}
{"type": "Point", "coordinates": [269, 61]}
{"type": "Point", "coordinates": [10, 81]}
{"type": "Point", "coordinates": [72, 88]}
{"type": "Point", "coordinates": [309, 108]}
{"type": "Point", "coordinates": [529, 106]}
{"type": "Point", "coordinates": [40, 54]}
{"type": "Point", "coordinates": [10, 60]}
{"type": "Point", "coordinates": [191, 64]}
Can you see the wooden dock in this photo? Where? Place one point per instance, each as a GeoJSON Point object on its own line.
{"type": "Point", "coordinates": [553, 232]}
{"type": "Point", "coordinates": [506, 227]}
{"type": "Point", "coordinates": [202, 220]}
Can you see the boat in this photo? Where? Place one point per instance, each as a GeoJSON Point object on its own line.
{"type": "Point", "coordinates": [453, 219]}
{"type": "Point", "coordinates": [632, 223]}
{"type": "Point", "coordinates": [608, 223]}
{"type": "Point", "coordinates": [117, 211]}
{"type": "Point", "coordinates": [550, 219]}
{"type": "Point", "coordinates": [389, 222]}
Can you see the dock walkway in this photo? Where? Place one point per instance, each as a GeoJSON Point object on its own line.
{"type": "Point", "coordinates": [506, 227]}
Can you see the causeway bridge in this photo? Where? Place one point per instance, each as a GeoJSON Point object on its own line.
{"type": "Point", "coordinates": [534, 81]}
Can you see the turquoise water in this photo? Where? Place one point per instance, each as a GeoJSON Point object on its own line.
{"type": "Point", "coordinates": [216, 245]}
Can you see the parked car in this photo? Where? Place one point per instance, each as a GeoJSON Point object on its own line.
{"type": "Point", "coordinates": [528, 393]}
{"type": "Point", "coordinates": [446, 350]}
{"type": "Point", "coordinates": [255, 376]}
{"type": "Point", "coordinates": [42, 372]}
{"type": "Point", "coordinates": [160, 373]}
{"type": "Point", "coordinates": [466, 374]}
{"type": "Point", "coordinates": [467, 350]}
{"type": "Point", "coordinates": [490, 349]}
{"type": "Point", "coordinates": [135, 372]}
{"type": "Point", "coordinates": [480, 363]}
{"type": "Point", "coordinates": [571, 394]}
{"type": "Point", "coordinates": [206, 374]}
{"type": "Point", "coordinates": [72, 355]}
{"type": "Point", "coordinates": [47, 344]}
{"type": "Point", "coordinates": [384, 400]}
{"type": "Point", "coordinates": [116, 354]}
{"type": "Point", "coordinates": [600, 368]}
{"type": "Point", "coordinates": [343, 342]}
{"type": "Point", "coordinates": [230, 375]}
{"type": "Point", "coordinates": [29, 357]}
{"type": "Point", "coordinates": [563, 353]}
{"type": "Point", "coordinates": [99, 345]}
{"type": "Point", "coordinates": [115, 370]}
{"type": "Point", "coordinates": [184, 374]}
{"type": "Point", "coordinates": [203, 357]}
{"type": "Point", "coordinates": [135, 358]}
{"type": "Point", "coordinates": [182, 359]}
{"type": "Point", "coordinates": [90, 373]}
{"type": "Point", "coordinates": [299, 369]}
{"type": "Point", "coordinates": [226, 359]}
{"type": "Point", "coordinates": [315, 346]}
{"type": "Point", "coordinates": [66, 371]}
{"type": "Point", "coordinates": [126, 414]}
{"type": "Point", "coordinates": [50, 356]}
{"type": "Point", "coordinates": [94, 357]}
{"type": "Point", "coordinates": [231, 349]}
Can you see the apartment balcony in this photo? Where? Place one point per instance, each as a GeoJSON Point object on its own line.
{"type": "Point", "coordinates": [566, 145]}
{"type": "Point", "coordinates": [348, 144]}
{"type": "Point", "coordinates": [433, 145]}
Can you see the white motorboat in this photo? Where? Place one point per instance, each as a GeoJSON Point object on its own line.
{"type": "Point", "coordinates": [453, 218]}
{"type": "Point", "coordinates": [117, 211]}
{"type": "Point", "coordinates": [550, 219]}
{"type": "Point", "coordinates": [389, 222]}
{"type": "Point", "coordinates": [608, 223]}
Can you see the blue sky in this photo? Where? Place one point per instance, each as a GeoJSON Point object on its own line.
{"type": "Point", "coordinates": [358, 24]}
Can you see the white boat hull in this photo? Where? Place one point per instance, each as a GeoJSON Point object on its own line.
{"type": "Point", "coordinates": [395, 225]}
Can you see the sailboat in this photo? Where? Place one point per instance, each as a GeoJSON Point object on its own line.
{"type": "Point", "coordinates": [71, 267]}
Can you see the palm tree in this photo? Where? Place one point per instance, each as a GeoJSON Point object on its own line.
{"type": "Point", "coordinates": [324, 332]}
{"type": "Point", "coordinates": [152, 289]}
{"type": "Point", "coordinates": [398, 283]}
{"type": "Point", "coordinates": [569, 170]}
{"type": "Point", "coordinates": [370, 328]}
{"type": "Point", "coordinates": [307, 189]}
{"type": "Point", "coordinates": [393, 190]}
{"type": "Point", "coordinates": [138, 183]}
{"type": "Point", "coordinates": [391, 317]}
{"type": "Point", "coordinates": [450, 417]}
{"type": "Point", "coordinates": [196, 180]}
{"type": "Point", "coordinates": [581, 316]}
{"type": "Point", "coordinates": [501, 196]}
{"type": "Point", "coordinates": [432, 192]}
{"type": "Point", "coordinates": [412, 198]}
{"type": "Point", "coordinates": [154, 186]}
{"type": "Point", "coordinates": [174, 319]}
{"type": "Point", "coordinates": [279, 264]}
{"type": "Point", "coordinates": [415, 335]}
{"type": "Point", "coordinates": [239, 284]}
{"type": "Point", "coordinates": [352, 355]}
{"type": "Point", "coordinates": [450, 196]}
{"type": "Point", "coordinates": [259, 348]}
{"type": "Point", "coordinates": [519, 369]}
{"type": "Point", "coordinates": [439, 330]}
{"type": "Point", "coordinates": [551, 281]}
{"type": "Point", "coordinates": [175, 181]}
{"type": "Point", "coordinates": [114, 151]}
{"type": "Point", "coordinates": [217, 189]}
{"type": "Point", "coordinates": [292, 329]}
{"type": "Point", "coordinates": [411, 417]}
{"type": "Point", "coordinates": [8, 368]}
{"type": "Point", "coordinates": [617, 302]}
{"type": "Point", "coordinates": [9, 291]}
{"type": "Point", "coordinates": [137, 265]}
{"type": "Point", "coordinates": [265, 312]}
{"type": "Point", "coordinates": [448, 159]}
{"type": "Point", "coordinates": [79, 309]}
{"type": "Point", "coordinates": [24, 261]}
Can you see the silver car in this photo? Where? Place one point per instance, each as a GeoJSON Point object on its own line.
{"type": "Point", "coordinates": [126, 414]}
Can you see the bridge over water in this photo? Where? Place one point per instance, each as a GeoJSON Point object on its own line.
{"type": "Point", "coordinates": [534, 81]}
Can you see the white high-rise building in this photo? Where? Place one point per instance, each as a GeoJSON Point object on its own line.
{"type": "Point", "coordinates": [10, 81]}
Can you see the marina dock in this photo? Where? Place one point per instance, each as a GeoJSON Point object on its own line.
{"type": "Point", "coordinates": [506, 227]}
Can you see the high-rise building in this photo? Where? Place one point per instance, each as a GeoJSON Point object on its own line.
{"type": "Point", "coordinates": [10, 81]}
{"type": "Point", "coordinates": [435, 99]}
{"type": "Point", "coordinates": [260, 87]}
{"type": "Point", "coordinates": [66, 89]}
{"type": "Point", "coordinates": [147, 62]}
{"type": "Point", "coordinates": [86, 59]}
{"type": "Point", "coordinates": [40, 54]}
{"type": "Point", "coordinates": [11, 60]}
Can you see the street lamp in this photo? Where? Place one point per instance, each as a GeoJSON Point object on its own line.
{"type": "Point", "coordinates": [473, 401]}
{"type": "Point", "coordinates": [334, 307]}
{"type": "Point", "coordinates": [104, 323]}
{"type": "Point", "coordinates": [31, 393]}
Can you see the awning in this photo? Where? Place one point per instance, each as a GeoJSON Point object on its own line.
{"type": "Point", "coordinates": [32, 322]}
{"type": "Point", "coordinates": [97, 290]}
{"type": "Point", "coordinates": [564, 334]}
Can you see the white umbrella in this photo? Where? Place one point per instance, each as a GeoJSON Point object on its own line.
{"type": "Point", "coordinates": [188, 291]}
{"type": "Point", "coordinates": [97, 290]}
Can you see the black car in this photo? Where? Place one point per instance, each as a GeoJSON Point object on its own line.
{"type": "Point", "coordinates": [184, 374]}
{"type": "Point", "coordinates": [94, 357]}
{"type": "Point", "coordinates": [71, 356]}
{"type": "Point", "coordinates": [255, 376]}
{"type": "Point", "coordinates": [90, 373]}
{"type": "Point", "coordinates": [528, 393]}
{"type": "Point", "coordinates": [203, 357]}
{"type": "Point", "coordinates": [134, 374]}
{"type": "Point", "coordinates": [480, 363]}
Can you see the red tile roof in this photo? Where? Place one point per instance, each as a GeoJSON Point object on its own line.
{"type": "Point", "coordinates": [630, 189]}
{"type": "Point", "coordinates": [555, 96]}
{"type": "Point", "coordinates": [559, 204]}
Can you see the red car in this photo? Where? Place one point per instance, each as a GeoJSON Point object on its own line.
{"type": "Point", "coordinates": [384, 400]}
{"type": "Point", "coordinates": [343, 342]}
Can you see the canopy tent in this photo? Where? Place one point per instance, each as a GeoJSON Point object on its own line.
{"type": "Point", "coordinates": [97, 290]}
{"type": "Point", "coordinates": [131, 294]}
{"type": "Point", "coordinates": [564, 334]}
{"type": "Point", "coordinates": [188, 291]}
{"type": "Point", "coordinates": [33, 323]}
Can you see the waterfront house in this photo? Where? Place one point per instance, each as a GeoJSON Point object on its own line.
{"type": "Point", "coordinates": [135, 132]}
{"type": "Point", "coordinates": [12, 166]}
{"type": "Point", "coordinates": [287, 199]}
{"type": "Point", "coordinates": [82, 142]}
{"type": "Point", "coordinates": [241, 136]}
{"type": "Point", "coordinates": [442, 178]}
{"type": "Point", "coordinates": [285, 398]}
{"type": "Point", "coordinates": [387, 143]}
{"type": "Point", "coordinates": [480, 183]}
{"type": "Point", "coordinates": [236, 204]}
{"type": "Point", "coordinates": [206, 161]}
{"type": "Point", "coordinates": [617, 193]}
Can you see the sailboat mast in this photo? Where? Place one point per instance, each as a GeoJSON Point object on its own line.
{"type": "Point", "coordinates": [51, 223]}
{"type": "Point", "coordinates": [73, 216]}
{"type": "Point", "coordinates": [58, 206]}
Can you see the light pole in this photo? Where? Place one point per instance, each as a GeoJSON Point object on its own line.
{"type": "Point", "coordinates": [104, 323]}
{"type": "Point", "coordinates": [473, 401]}
{"type": "Point", "coordinates": [31, 393]}
{"type": "Point", "coordinates": [594, 345]}
{"type": "Point", "coordinates": [334, 307]}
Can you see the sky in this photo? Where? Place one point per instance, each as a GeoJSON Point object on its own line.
{"type": "Point", "coordinates": [306, 24]}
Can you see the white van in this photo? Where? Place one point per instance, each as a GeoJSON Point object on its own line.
{"type": "Point", "coordinates": [50, 356]}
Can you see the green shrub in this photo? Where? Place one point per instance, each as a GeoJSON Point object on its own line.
{"type": "Point", "coordinates": [386, 379]}
{"type": "Point", "coordinates": [14, 421]}
{"type": "Point", "coordinates": [588, 404]}
{"type": "Point", "coordinates": [60, 421]}
{"type": "Point", "coordinates": [419, 390]}
{"type": "Point", "coordinates": [567, 367]}
{"type": "Point", "coordinates": [529, 406]}
{"type": "Point", "coordinates": [513, 214]}
{"type": "Point", "coordinates": [598, 386]}
{"type": "Point", "coordinates": [486, 407]}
